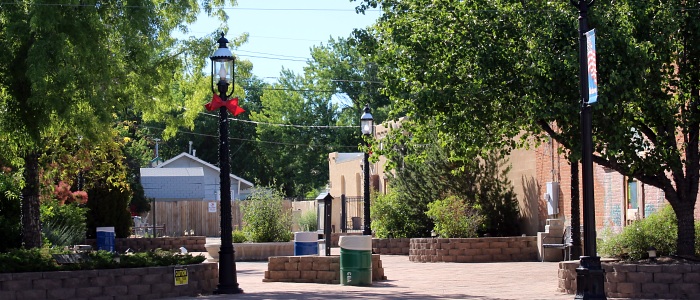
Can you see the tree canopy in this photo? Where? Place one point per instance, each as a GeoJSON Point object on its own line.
{"type": "Point", "coordinates": [494, 75]}
{"type": "Point", "coordinates": [74, 65]}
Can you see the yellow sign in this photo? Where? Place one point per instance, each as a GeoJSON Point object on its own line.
{"type": "Point", "coordinates": [181, 277]}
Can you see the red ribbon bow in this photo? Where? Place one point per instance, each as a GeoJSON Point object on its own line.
{"type": "Point", "coordinates": [231, 105]}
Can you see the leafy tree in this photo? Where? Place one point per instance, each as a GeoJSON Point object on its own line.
{"type": "Point", "coordinates": [426, 174]}
{"type": "Point", "coordinates": [353, 75]}
{"type": "Point", "coordinates": [495, 74]}
{"type": "Point", "coordinates": [73, 66]}
{"type": "Point", "coordinates": [297, 158]}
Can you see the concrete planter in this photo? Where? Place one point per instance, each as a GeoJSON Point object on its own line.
{"type": "Point", "coordinates": [473, 250]}
{"type": "Point", "coordinates": [253, 251]}
{"type": "Point", "coordinates": [639, 281]}
{"type": "Point", "coordinates": [123, 283]}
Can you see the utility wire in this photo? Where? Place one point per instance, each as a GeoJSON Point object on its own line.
{"type": "Point", "coordinates": [286, 125]}
{"type": "Point", "coordinates": [249, 140]}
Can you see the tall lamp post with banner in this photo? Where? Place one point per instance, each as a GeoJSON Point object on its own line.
{"type": "Point", "coordinates": [589, 275]}
{"type": "Point", "coordinates": [222, 60]}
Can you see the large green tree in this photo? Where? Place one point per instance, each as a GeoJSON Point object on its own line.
{"type": "Point", "coordinates": [296, 131]}
{"type": "Point", "coordinates": [487, 71]}
{"type": "Point", "coordinates": [73, 65]}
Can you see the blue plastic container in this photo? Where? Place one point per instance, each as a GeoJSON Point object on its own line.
{"type": "Point", "coordinates": [305, 243]}
{"type": "Point", "coordinates": [105, 238]}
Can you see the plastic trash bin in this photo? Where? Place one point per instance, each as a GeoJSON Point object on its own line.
{"type": "Point", "coordinates": [105, 238]}
{"type": "Point", "coordinates": [305, 243]}
{"type": "Point", "coordinates": [355, 260]}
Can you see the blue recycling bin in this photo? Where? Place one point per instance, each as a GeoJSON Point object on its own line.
{"type": "Point", "coordinates": [105, 238]}
{"type": "Point", "coordinates": [305, 243]}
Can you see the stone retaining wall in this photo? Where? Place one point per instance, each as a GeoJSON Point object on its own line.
{"type": "Point", "coordinates": [473, 250]}
{"type": "Point", "coordinates": [114, 284]}
{"type": "Point", "coordinates": [391, 246]}
{"type": "Point", "coordinates": [191, 243]}
{"type": "Point", "coordinates": [253, 251]}
{"type": "Point", "coordinates": [645, 281]}
{"type": "Point", "coordinates": [314, 269]}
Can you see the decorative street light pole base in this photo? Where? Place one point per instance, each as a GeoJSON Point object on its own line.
{"type": "Point", "coordinates": [590, 279]}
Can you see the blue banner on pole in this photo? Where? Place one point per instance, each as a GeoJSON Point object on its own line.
{"type": "Point", "coordinates": [592, 69]}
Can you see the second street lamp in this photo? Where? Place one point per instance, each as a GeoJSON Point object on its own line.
{"type": "Point", "coordinates": [222, 63]}
{"type": "Point", "coordinates": [367, 126]}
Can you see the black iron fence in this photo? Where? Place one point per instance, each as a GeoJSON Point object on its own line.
{"type": "Point", "coordinates": [351, 214]}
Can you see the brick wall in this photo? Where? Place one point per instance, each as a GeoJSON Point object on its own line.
{"type": "Point", "coordinates": [474, 250]}
{"type": "Point", "coordinates": [391, 246]}
{"type": "Point", "coordinates": [648, 281]}
{"type": "Point", "coordinates": [115, 284]}
{"type": "Point", "coordinates": [609, 191]}
{"type": "Point", "coordinates": [191, 243]}
{"type": "Point", "coordinates": [314, 269]}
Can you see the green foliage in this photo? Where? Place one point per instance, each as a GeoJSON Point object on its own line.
{"type": "Point", "coordinates": [480, 84]}
{"type": "Point", "coordinates": [659, 230]}
{"type": "Point", "coordinates": [63, 224]}
{"type": "Point", "coordinates": [308, 221]}
{"type": "Point", "coordinates": [454, 218]}
{"type": "Point", "coordinates": [40, 260]}
{"type": "Point", "coordinates": [424, 174]}
{"type": "Point", "coordinates": [239, 236]}
{"type": "Point", "coordinates": [10, 209]}
{"type": "Point", "coordinates": [108, 207]}
{"type": "Point", "coordinates": [265, 217]}
{"type": "Point", "coordinates": [392, 217]}
{"type": "Point", "coordinates": [298, 160]}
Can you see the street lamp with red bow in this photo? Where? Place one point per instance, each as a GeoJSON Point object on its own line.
{"type": "Point", "coordinates": [222, 60]}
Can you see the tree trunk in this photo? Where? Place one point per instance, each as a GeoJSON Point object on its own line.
{"type": "Point", "coordinates": [686, 229]}
{"type": "Point", "coordinates": [31, 228]}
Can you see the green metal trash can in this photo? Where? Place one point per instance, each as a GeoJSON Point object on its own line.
{"type": "Point", "coordinates": [355, 260]}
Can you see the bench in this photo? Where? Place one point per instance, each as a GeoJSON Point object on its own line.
{"type": "Point", "coordinates": [148, 229]}
{"type": "Point", "coordinates": [565, 245]}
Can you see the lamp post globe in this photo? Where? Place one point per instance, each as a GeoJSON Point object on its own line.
{"type": "Point", "coordinates": [222, 68]}
{"type": "Point", "coordinates": [366, 126]}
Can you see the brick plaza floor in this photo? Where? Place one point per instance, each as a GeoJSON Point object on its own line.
{"type": "Point", "coordinates": [407, 280]}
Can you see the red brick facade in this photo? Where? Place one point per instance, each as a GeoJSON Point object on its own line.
{"type": "Point", "coordinates": [613, 210]}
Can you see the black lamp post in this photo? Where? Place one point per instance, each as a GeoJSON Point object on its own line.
{"type": "Point", "coordinates": [222, 60]}
{"type": "Point", "coordinates": [367, 126]}
{"type": "Point", "coordinates": [589, 275]}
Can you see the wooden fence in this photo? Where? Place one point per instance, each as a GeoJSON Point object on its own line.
{"type": "Point", "coordinates": [194, 216]}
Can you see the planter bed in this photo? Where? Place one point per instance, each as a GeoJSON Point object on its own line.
{"type": "Point", "coordinates": [640, 281]}
{"type": "Point", "coordinates": [123, 283]}
{"type": "Point", "coordinates": [313, 269]}
{"type": "Point", "coordinates": [473, 250]}
{"type": "Point", "coordinates": [192, 243]}
{"type": "Point", "coordinates": [253, 251]}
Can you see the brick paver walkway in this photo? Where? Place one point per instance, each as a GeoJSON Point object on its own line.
{"type": "Point", "coordinates": [407, 280]}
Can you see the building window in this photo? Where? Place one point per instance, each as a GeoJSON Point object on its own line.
{"type": "Point", "coordinates": [632, 200]}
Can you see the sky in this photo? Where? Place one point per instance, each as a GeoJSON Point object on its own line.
{"type": "Point", "coordinates": [282, 32]}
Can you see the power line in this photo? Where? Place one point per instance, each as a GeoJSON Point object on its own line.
{"type": "Point", "coordinates": [286, 125]}
{"type": "Point", "coordinates": [249, 140]}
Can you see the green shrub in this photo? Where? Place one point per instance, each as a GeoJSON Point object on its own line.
{"type": "Point", "coordinates": [10, 209]}
{"type": "Point", "coordinates": [659, 230]}
{"type": "Point", "coordinates": [308, 221]}
{"type": "Point", "coordinates": [40, 260]}
{"type": "Point", "coordinates": [109, 207]}
{"type": "Point", "coordinates": [239, 236]}
{"type": "Point", "coordinates": [265, 218]}
{"type": "Point", "coordinates": [62, 224]}
{"type": "Point", "coordinates": [391, 217]}
{"type": "Point", "coordinates": [454, 218]}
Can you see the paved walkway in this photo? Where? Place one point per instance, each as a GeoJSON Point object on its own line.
{"type": "Point", "coordinates": [407, 280]}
